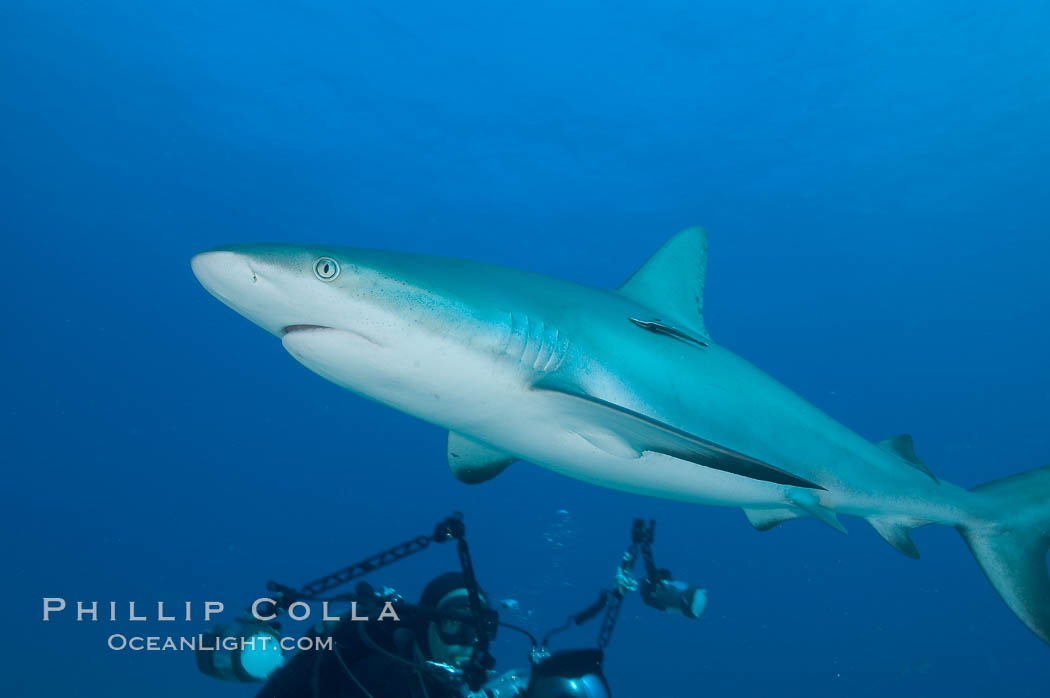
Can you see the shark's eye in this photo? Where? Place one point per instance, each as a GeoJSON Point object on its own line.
{"type": "Point", "coordinates": [326, 268]}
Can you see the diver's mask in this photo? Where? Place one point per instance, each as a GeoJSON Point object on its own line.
{"type": "Point", "coordinates": [451, 631]}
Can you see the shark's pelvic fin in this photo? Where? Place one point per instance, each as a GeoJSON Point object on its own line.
{"type": "Point", "coordinates": [646, 434]}
{"type": "Point", "coordinates": [809, 502]}
{"type": "Point", "coordinates": [896, 532]}
{"type": "Point", "coordinates": [671, 283]}
{"type": "Point", "coordinates": [472, 462]}
{"type": "Point", "coordinates": [902, 446]}
{"type": "Point", "coordinates": [765, 519]}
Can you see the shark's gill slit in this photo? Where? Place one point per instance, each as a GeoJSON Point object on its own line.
{"type": "Point", "coordinates": [527, 339]}
{"type": "Point", "coordinates": [542, 347]}
{"type": "Point", "coordinates": [547, 348]}
{"type": "Point", "coordinates": [533, 335]}
{"type": "Point", "coordinates": [508, 335]}
{"type": "Point", "coordinates": [555, 351]}
{"type": "Point", "coordinates": [517, 345]}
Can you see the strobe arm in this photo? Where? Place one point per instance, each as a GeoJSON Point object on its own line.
{"type": "Point", "coordinates": [452, 527]}
{"type": "Point", "coordinates": [476, 670]}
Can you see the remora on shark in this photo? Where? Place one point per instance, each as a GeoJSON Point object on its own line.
{"type": "Point", "coordinates": [621, 388]}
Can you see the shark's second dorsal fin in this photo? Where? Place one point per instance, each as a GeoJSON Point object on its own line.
{"type": "Point", "coordinates": [671, 283]}
{"type": "Point", "coordinates": [903, 447]}
{"type": "Point", "coordinates": [473, 462]}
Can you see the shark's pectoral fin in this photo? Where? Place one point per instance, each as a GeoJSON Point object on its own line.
{"type": "Point", "coordinates": [473, 462]}
{"type": "Point", "coordinates": [646, 434]}
{"type": "Point", "coordinates": [809, 502]}
{"type": "Point", "coordinates": [895, 531]}
{"type": "Point", "coordinates": [671, 282]}
{"type": "Point", "coordinates": [765, 519]}
{"type": "Point", "coordinates": [903, 447]}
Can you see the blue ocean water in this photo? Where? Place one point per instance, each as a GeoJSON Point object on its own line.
{"type": "Point", "coordinates": [874, 180]}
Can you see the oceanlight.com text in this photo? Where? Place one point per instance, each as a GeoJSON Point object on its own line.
{"type": "Point", "coordinates": [209, 643]}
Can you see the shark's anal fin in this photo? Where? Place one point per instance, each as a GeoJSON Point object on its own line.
{"type": "Point", "coordinates": [765, 519]}
{"type": "Point", "coordinates": [671, 282]}
{"type": "Point", "coordinates": [809, 502]}
{"type": "Point", "coordinates": [643, 433]}
{"type": "Point", "coordinates": [472, 462]}
{"type": "Point", "coordinates": [903, 447]}
{"type": "Point", "coordinates": [896, 532]}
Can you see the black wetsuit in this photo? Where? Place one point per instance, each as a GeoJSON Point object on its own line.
{"type": "Point", "coordinates": [319, 673]}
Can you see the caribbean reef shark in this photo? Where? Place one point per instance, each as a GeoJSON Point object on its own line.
{"type": "Point", "coordinates": [621, 388]}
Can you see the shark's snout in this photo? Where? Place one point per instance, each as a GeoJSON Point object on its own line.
{"type": "Point", "coordinates": [246, 284]}
{"type": "Point", "coordinates": [223, 273]}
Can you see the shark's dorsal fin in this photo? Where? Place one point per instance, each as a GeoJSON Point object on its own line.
{"type": "Point", "coordinates": [472, 462]}
{"type": "Point", "coordinates": [671, 282]}
{"type": "Point", "coordinates": [902, 446]}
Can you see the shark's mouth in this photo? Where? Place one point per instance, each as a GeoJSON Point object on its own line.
{"type": "Point", "coordinates": [292, 329]}
{"type": "Point", "coordinates": [302, 328]}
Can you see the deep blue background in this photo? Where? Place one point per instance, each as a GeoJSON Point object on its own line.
{"type": "Point", "coordinates": [874, 180]}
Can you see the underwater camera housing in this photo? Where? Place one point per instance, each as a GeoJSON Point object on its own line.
{"type": "Point", "coordinates": [245, 650]}
{"type": "Point", "coordinates": [673, 596]}
{"type": "Point", "coordinates": [568, 674]}
{"type": "Point", "coordinates": [577, 673]}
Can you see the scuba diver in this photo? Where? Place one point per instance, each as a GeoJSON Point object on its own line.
{"type": "Point", "coordinates": [419, 655]}
{"type": "Point", "coordinates": [386, 647]}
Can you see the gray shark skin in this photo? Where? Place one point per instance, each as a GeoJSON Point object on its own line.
{"type": "Point", "coordinates": [621, 388]}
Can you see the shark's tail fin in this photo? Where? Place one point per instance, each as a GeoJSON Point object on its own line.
{"type": "Point", "coordinates": [1012, 548]}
